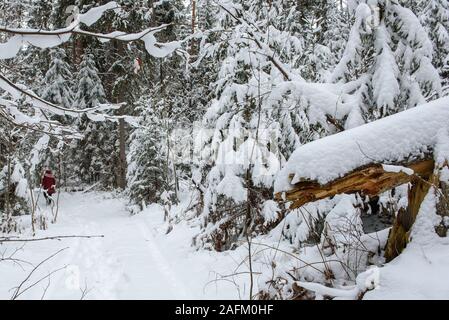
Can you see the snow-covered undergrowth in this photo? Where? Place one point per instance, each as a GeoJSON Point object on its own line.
{"type": "Point", "coordinates": [321, 244]}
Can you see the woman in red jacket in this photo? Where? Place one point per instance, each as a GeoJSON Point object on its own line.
{"type": "Point", "coordinates": [48, 184]}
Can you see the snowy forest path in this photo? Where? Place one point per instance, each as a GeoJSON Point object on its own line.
{"type": "Point", "coordinates": [127, 263]}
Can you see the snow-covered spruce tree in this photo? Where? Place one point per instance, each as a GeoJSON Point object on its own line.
{"type": "Point", "coordinates": [258, 89]}
{"type": "Point", "coordinates": [158, 157]}
{"type": "Point", "coordinates": [14, 186]}
{"type": "Point", "coordinates": [147, 170]}
{"type": "Point", "coordinates": [34, 62]}
{"type": "Point", "coordinates": [92, 155]}
{"type": "Point", "coordinates": [238, 145]}
{"type": "Point", "coordinates": [40, 39]}
{"type": "Point", "coordinates": [130, 73]}
{"type": "Point", "coordinates": [56, 88]}
{"type": "Point", "coordinates": [13, 183]}
{"type": "Point", "coordinates": [165, 110]}
{"type": "Point", "coordinates": [201, 77]}
{"type": "Point", "coordinates": [334, 26]}
{"type": "Point", "coordinates": [40, 17]}
{"type": "Point", "coordinates": [60, 14]}
{"type": "Point", "coordinates": [206, 11]}
{"type": "Point", "coordinates": [57, 83]}
{"type": "Point", "coordinates": [322, 27]}
{"type": "Point", "coordinates": [387, 62]}
{"type": "Point", "coordinates": [435, 17]}
{"type": "Point", "coordinates": [390, 55]}
{"type": "Point", "coordinates": [14, 177]}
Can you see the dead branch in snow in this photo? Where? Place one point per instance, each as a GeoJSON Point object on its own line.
{"type": "Point", "coordinates": [84, 291]}
{"type": "Point", "coordinates": [19, 291]}
{"type": "Point", "coordinates": [11, 257]}
{"type": "Point", "coordinates": [14, 239]}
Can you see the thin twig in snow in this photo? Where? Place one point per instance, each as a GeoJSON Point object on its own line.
{"type": "Point", "coordinates": [47, 238]}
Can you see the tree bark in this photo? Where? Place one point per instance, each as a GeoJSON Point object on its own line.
{"type": "Point", "coordinates": [8, 179]}
{"type": "Point", "coordinates": [193, 15]}
{"type": "Point", "coordinates": [400, 233]}
{"type": "Point", "coordinates": [122, 155]}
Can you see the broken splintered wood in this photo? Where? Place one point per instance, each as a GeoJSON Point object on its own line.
{"type": "Point", "coordinates": [369, 180]}
{"type": "Point", "coordinates": [405, 218]}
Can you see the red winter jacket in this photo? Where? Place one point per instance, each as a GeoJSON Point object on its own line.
{"type": "Point", "coordinates": [48, 183]}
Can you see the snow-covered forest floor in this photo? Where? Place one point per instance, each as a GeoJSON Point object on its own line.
{"type": "Point", "coordinates": [134, 259]}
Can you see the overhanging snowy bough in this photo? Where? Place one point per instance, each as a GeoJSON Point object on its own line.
{"type": "Point", "coordinates": [408, 147]}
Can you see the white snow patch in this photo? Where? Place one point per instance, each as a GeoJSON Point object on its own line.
{"type": "Point", "coordinates": [397, 169]}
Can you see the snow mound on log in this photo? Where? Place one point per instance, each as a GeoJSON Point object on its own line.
{"type": "Point", "coordinates": [393, 139]}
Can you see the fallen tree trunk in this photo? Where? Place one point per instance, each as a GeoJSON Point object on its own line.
{"type": "Point", "coordinates": [369, 180]}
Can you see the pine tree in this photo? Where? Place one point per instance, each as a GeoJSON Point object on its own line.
{"type": "Point", "coordinates": [92, 155]}
{"type": "Point", "coordinates": [57, 83]}
{"type": "Point", "coordinates": [238, 152]}
{"type": "Point", "coordinates": [147, 174]}
{"type": "Point", "coordinates": [389, 56]}
{"type": "Point", "coordinates": [435, 17]}
{"type": "Point", "coordinates": [90, 92]}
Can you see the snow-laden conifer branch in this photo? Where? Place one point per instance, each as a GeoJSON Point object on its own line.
{"type": "Point", "coordinates": [17, 91]}
{"type": "Point", "coordinates": [238, 16]}
{"type": "Point", "coordinates": [51, 38]}
{"type": "Point", "coordinates": [10, 111]}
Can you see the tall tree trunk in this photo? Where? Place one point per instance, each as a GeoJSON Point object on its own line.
{"type": "Point", "coordinates": [77, 50]}
{"type": "Point", "coordinates": [8, 179]}
{"type": "Point", "coordinates": [122, 153]}
{"type": "Point", "coordinates": [193, 15]}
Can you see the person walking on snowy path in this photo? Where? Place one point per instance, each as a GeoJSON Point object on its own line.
{"type": "Point", "coordinates": [48, 184]}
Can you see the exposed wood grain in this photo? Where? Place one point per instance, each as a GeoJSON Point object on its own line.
{"type": "Point", "coordinates": [369, 180]}
{"type": "Point", "coordinates": [400, 232]}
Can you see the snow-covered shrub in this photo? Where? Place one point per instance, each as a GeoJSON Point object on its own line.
{"type": "Point", "coordinates": [389, 58]}
{"type": "Point", "coordinates": [333, 255]}
{"type": "Point", "coordinates": [13, 181]}
{"type": "Point", "coordinates": [154, 173]}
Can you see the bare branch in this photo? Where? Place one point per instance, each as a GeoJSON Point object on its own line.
{"type": "Point", "coordinates": [6, 239]}
{"type": "Point", "coordinates": [18, 291]}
